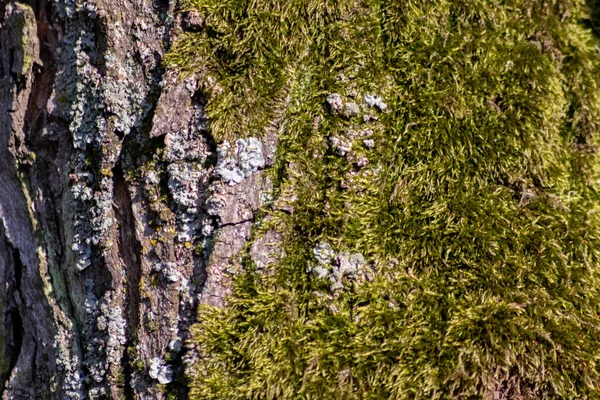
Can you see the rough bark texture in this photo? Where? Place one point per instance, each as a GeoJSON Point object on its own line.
{"type": "Point", "coordinates": [113, 229]}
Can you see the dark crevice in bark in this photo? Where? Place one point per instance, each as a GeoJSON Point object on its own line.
{"type": "Point", "coordinates": [200, 99]}
{"type": "Point", "coordinates": [179, 387]}
{"type": "Point", "coordinates": [34, 368]}
{"type": "Point", "coordinates": [128, 391]}
{"type": "Point", "coordinates": [237, 223]}
{"type": "Point", "coordinates": [3, 5]}
{"type": "Point", "coordinates": [17, 338]}
{"type": "Point", "coordinates": [161, 6]}
{"type": "Point", "coordinates": [130, 254]}
{"type": "Point", "coordinates": [16, 321]}
{"type": "Point", "coordinates": [5, 262]}
{"type": "Point", "coordinates": [101, 38]}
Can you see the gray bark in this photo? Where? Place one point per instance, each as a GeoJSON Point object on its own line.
{"type": "Point", "coordinates": [114, 226]}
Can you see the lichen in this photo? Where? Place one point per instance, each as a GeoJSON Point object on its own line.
{"type": "Point", "coordinates": [337, 266]}
{"type": "Point", "coordinates": [104, 334]}
{"type": "Point", "coordinates": [374, 100]}
{"type": "Point", "coordinates": [246, 159]}
{"type": "Point", "coordinates": [160, 371]}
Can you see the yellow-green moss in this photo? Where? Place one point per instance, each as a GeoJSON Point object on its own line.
{"type": "Point", "coordinates": [478, 207]}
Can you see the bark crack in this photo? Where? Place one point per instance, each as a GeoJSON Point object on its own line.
{"type": "Point", "coordinates": [15, 321]}
{"type": "Point", "coordinates": [130, 254]}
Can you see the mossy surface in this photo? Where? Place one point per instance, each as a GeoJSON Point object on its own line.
{"type": "Point", "coordinates": [478, 207]}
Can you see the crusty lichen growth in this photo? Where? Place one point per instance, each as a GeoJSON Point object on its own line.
{"type": "Point", "coordinates": [473, 194]}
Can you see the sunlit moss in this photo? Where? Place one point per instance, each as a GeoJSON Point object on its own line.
{"type": "Point", "coordinates": [478, 207]}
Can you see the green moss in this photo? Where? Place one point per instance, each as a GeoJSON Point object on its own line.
{"type": "Point", "coordinates": [478, 207]}
{"type": "Point", "coordinates": [24, 23]}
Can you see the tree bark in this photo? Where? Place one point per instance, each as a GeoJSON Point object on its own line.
{"type": "Point", "coordinates": [113, 229]}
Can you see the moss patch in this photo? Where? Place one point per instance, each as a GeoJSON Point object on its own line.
{"type": "Point", "coordinates": [478, 206]}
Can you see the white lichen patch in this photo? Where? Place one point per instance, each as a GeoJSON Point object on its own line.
{"type": "Point", "coordinates": [124, 99]}
{"type": "Point", "coordinates": [169, 270]}
{"type": "Point", "coordinates": [160, 371]}
{"type": "Point", "coordinates": [112, 322]}
{"type": "Point", "coordinates": [335, 103]}
{"type": "Point", "coordinates": [184, 179]}
{"type": "Point", "coordinates": [175, 345]}
{"type": "Point", "coordinates": [351, 109]}
{"type": "Point", "coordinates": [188, 143]}
{"type": "Point", "coordinates": [186, 184]}
{"type": "Point", "coordinates": [246, 159]}
{"type": "Point", "coordinates": [340, 146]}
{"type": "Point", "coordinates": [374, 100]}
{"type": "Point", "coordinates": [68, 361]}
{"type": "Point", "coordinates": [369, 144]}
{"type": "Point", "coordinates": [337, 266]}
{"type": "Point", "coordinates": [324, 253]}
{"type": "Point", "coordinates": [104, 333]}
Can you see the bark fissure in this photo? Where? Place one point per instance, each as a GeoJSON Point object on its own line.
{"type": "Point", "coordinates": [130, 253]}
{"type": "Point", "coordinates": [16, 322]}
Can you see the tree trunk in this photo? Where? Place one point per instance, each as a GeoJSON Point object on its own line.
{"type": "Point", "coordinates": [106, 232]}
